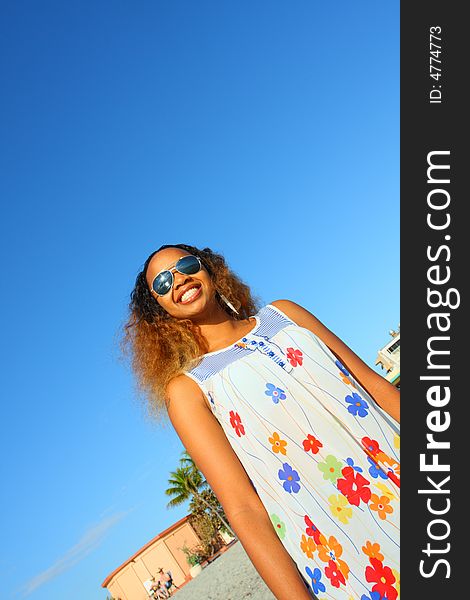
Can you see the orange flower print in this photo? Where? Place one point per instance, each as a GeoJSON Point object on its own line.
{"type": "Point", "coordinates": [344, 374]}
{"type": "Point", "coordinates": [329, 550]}
{"type": "Point", "coordinates": [311, 443]}
{"type": "Point", "coordinates": [343, 567]}
{"type": "Point", "coordinates": [389, 465]}
{"type": "Point", "coordinates": [381, 505]}
{"type": "Point", "coordinates": [278, 444]}
{"type": "Point", "coordinates": [373, 550]}
{"type": "Point", "coordinates": [308, 546]}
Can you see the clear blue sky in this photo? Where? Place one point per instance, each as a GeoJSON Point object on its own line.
{"type": "Point", "coordinates": [266, 130]}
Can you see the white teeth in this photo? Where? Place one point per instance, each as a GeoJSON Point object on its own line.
{"type": "Point", "coordinates": [189, 294]}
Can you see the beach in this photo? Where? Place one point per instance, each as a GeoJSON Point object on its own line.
{"type": "Point", "coordinates": [230, 577]}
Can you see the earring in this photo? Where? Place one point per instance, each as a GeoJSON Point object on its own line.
{"type": "Point", "coordinates": [228, 303]}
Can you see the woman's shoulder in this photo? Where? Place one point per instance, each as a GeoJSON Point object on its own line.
{"type": "Point", "coordinates": [289, 309]}
{"type": "Point", "coordinates": [183, 386]}
{"type": "Point", "coordinates": [276, 316]}
{"type": "Point", "coordinates": [298, 315]}
{"type": "Point", "coordinates": [183, 392]}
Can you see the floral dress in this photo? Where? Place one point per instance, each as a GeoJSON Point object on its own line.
{"type": "Point", "coordinates": [321, 454]}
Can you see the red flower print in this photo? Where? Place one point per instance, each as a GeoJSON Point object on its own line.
{"type": "Point", "coordinates": [311, 443]}
{"type": "Point", "coordinates": [383, 578]}
{"type": "Point", "coordinates": [295, 357]}
{"type": "Point", "coordinates": [236, 423]}
{"type": "Point", "coordinates": [353, 486]}
{"type": "Point", "coordinates": [334, 574]}
{"type": "Point", "coordinates": [312, 530]}
{"type": "Point", "coordinates": [371, 446]}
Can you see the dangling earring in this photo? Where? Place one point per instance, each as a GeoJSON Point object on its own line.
{"type": "Point", "coordinates": [228, 303]}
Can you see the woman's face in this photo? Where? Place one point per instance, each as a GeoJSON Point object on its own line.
{"type": "Point", "coordinates": [190, 295]}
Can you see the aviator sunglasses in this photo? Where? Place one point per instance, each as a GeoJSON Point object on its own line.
{"type": "Point", "coordinates": [187, 265]}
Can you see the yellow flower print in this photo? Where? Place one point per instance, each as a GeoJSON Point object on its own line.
{"type": "Point", "coordinates": [278, 445]}
{"type": "Point", "coordinates": [381, 505]}
{"type": "Point", "coordinates": [340, 508]}
{"type": "Point", "coordinates": [373, 551]}
{"type": "Point", "coordinates": [386, 490]}
{"type": "Point", "coordinates": [308, 546]}
{"type": "Point", "coordinates": [396, 585]}
{"type": "Point", "coordinates": [396, 441]}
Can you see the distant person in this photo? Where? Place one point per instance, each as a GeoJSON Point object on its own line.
{"type": "Point", "coordinates": [159, 590]}
{"type": "Point", "coordinates": [149, 587]}
{"type": "Point", "coordinates": [295, 434]}
{"type": "Point", "coordinates": [166, 580]}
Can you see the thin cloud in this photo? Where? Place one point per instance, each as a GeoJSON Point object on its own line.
{"type": "Point", "coordinates": [90, 540]}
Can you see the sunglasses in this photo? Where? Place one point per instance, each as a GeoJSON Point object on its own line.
{"type": "Point", "coordinates": [163, 282]}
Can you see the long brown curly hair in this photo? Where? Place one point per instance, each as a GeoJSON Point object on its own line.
{"type": "Point", "coordinates": [161, 346]}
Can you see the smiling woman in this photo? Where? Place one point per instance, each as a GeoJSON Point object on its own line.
{"type": "Point", "coordinates": [296, 435]}
{"type": "Point", "coordinates": [163, 335]}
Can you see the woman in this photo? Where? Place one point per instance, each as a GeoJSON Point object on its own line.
{"type": "Point", "coordinates": [295, 434]}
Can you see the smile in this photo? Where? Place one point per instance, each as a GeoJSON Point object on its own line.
{"type": "Point", "coordinates": [190, 295]}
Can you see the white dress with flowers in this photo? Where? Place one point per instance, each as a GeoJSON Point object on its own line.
{"type": "Point", "coordinates": [321, 454]}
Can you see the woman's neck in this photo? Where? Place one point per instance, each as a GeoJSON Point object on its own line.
{"type": "Point", "coordinates": [220, 330]}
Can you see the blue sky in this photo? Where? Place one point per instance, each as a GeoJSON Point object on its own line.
{"type": "Point", "coordinates": [268, 131]}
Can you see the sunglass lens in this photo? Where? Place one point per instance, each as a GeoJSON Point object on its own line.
{"type": "Point", "coordinates": [188, 265]}
{"type": "Point", "coordinates": [162, 283]}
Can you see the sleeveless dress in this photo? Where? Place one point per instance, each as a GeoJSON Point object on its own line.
{"type": "Point", "coordinates": [320, 453]}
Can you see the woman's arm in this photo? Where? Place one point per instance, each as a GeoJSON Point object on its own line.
{"type": "Point", "coordinates": [206, 442]}
{"type": "Point", "coordinates": [383, 392]}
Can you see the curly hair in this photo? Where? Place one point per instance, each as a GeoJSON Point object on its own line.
{"type": "Point", "coordinates": [161, 346]}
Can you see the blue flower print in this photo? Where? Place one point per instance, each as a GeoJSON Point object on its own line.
{"type": "Point", "coordinates": [375, 470]}
{"type": "Point", "coordinates": [358, 405]}
{"type": "Point", "coordinates": [342, 368]}
{"type": "Point", "coordinates": [290, 478]}
{"type": "Point", "coordinates": [373, 596]}
{"type": "Point", "coordinates": [317, 585]}
{"type": "Point", "coordinates": [275, 393]}
{"type": "Point", "coordinates": [351, 464]}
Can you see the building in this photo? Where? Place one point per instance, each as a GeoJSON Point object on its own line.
{"type": "Point", "coordinates": [389, 358]}
{"type": "Point", "coordinates": [163, 551]}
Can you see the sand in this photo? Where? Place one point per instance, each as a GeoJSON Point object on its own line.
{"type": "Point", "coordinates": [230, 577]}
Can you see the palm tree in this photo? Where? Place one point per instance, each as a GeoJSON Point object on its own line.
{"type": "Point", "coordinates": [184, 483]}
{"type": "Point", "coordinates": [187, 461]}
{"type": "Point", "coordinates": [187, 481]}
